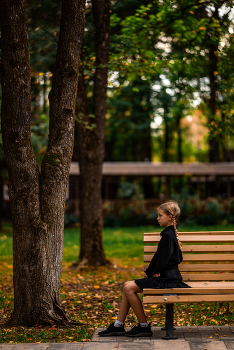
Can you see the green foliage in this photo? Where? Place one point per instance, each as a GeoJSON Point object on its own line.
{"type": "Point", "coordinates": [39, 133]}
{"type": "Point", "coordinates": [213, 207]}
{"type": "Point", "coordinates": [130, 190]}
{"type": "Point", "coordinates": [232, 206]}
{"type": "Point", "coordinates": [54, 159]}
{"type": "Point", "coordinates": [79, 119]}
{"type": "Point", "coordinates": [70, 220]}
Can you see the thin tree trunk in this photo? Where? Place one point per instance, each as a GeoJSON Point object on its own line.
{"type": "Point", "coordinates": [146, 145]}
{"type": "Point", "coordinates": [213, 63]}
{"type": "Point", "coordinates": [213, 143]}
{"type": "Point", "coordinates": [1, 200]}
{"type": "Point", "coordinates": [166, 140]}
{"type": "Point", "coordinates": [37, 200]}
{"type": "Point", "coordinates": [179, 141]}
{"type": "Point", "coordinates": [92, 144]}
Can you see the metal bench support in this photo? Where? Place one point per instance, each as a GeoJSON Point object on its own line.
{"type": "Point", "coordinates": [169, 322]}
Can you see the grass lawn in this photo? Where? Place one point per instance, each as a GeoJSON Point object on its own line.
{"type": "Point", "coordinates": [92, 296]}
{"type": "Point", "coordinates": [125, 244]}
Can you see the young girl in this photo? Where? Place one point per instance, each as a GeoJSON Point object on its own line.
{"type": "Point", "coordinates": [162, 272]}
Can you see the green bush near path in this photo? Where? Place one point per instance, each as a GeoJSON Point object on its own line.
{"type": "Point", "coordinates": [120, 243]}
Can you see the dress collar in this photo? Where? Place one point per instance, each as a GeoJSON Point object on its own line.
{"type": "Point", "coordinates": [168, 228]}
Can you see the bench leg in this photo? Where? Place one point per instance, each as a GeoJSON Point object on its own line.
{"type": "Point", "coordinates": [169, 322]}
{"type": "Point", "coordinates": [164, 329]}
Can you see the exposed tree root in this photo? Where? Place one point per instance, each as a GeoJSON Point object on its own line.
{"type": "Point", "coordinates": [56, 316]}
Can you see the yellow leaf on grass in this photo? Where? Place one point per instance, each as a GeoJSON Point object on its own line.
{"type": "Point", "coordinates": [96, 287]}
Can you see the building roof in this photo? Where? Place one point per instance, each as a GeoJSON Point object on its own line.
{"type": "Point", "coordinates": [161, 169]}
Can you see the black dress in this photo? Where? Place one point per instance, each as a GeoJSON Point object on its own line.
{"type": "Point", "coordinates": [165, 261]}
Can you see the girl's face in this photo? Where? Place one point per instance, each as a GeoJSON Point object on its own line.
{"type": "Point", "coordinates": [164, 219]}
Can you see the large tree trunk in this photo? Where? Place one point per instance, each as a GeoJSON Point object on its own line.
{"type": "Point", "coordinates": [37, 200]}
{"type": "Point", "coordinates": [91, 144]}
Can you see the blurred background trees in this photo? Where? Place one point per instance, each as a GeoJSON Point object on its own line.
{"type": "Point", "coordinates": [170, 86]}
{"type": "Point", "coordinates": [168, 60]}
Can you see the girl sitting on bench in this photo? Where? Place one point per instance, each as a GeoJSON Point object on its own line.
{"type": "Point", "coordinates": [162, 273]}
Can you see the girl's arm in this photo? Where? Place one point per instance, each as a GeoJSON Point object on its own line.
{"type": "Point", "coordinates": [161, 257]}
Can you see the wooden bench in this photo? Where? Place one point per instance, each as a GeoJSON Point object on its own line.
{"type": "Point", "coordinates": [208, 267]}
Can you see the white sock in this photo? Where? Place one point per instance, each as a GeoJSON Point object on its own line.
{"type": "Point", "coordinates": [118, 323]}
{"type": "Point", "coordinates": [144, 324]}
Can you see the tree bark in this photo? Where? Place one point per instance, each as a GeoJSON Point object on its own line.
{"type": "Point", "coordinates": [179, 141]}
{"type": "Point", "coordinates": [213, 66]}
{"type": "Point", "coordinates": [91, 143]}
{"type": "Point", "coordinates": [38, 199]}
{"type": "Point", "coordinates": [213, 143]}
{"type": "Point", "coordinates": [166, 139]}
{"type": "Point", "coordinates": [1, 200]}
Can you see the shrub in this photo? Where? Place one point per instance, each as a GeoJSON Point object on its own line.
{"type": "Point", "coordinates": [70, 219]}
{"type": "Point", "coordinates": [231, 206]}
{"type": "Point", "coordinates": [130, 190]}
{"type": "Point", "coordinates": [213, 207]}
{"type": "Point", "coordinates": [110, 220]}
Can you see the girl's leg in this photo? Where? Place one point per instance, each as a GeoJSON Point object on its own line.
{"type": "Point", "coordinates": [124, 306]}
{"type": "Point", "coordinates": [130, 298]}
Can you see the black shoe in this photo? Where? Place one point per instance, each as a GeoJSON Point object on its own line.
{"type": "Point", "coordinates": [138, 331]}
{"type": "Point", "coordinates": [112, 330]}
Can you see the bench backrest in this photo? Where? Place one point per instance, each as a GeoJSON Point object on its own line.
{"type": "Point", "coordinates": [207, 255]}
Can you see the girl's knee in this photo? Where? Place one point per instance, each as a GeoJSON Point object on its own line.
{"type": "Point", "coordinates": [125, 286]}
{"type": "Point", "coordinates": [129, 286]}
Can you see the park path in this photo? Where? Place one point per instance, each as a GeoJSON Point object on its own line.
{"type": "Point", "coordinates": [189, 338]}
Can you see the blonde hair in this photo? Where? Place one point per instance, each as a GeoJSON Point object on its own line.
{"type": "Point", "coordinates": [172, 208]}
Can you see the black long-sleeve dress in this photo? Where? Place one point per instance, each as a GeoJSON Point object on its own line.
{"type": "Point", "coordinates": [165, 261]}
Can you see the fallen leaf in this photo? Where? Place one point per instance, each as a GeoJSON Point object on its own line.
{"type": "Point", "coordinates": [210, 337]}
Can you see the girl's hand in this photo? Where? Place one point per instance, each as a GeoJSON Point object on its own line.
{"type": "Point", "coordinates": [156, 275]}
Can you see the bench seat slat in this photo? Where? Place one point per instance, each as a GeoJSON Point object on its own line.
{"type": "Point", "coordinates": [195, 233]}
{"type": "Point", "coordinates": [211, 284]}
{"type": "Point", "coordinates": [203, 285]}
{"type": "Point", "coordinates": [187, 298]}
{"type": "Point", "coordinates": [204, 267]}
{"type": "Point", "coordinates": [195, 239]}
{"type": "Point", "coordinates": [200, 257]}
{"type": "Point", "coordinates": [197, 248]}
{"type": "Point", "coordinates": [199, 290]}
{"type": "Point", "coordinates": [207, 277]}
